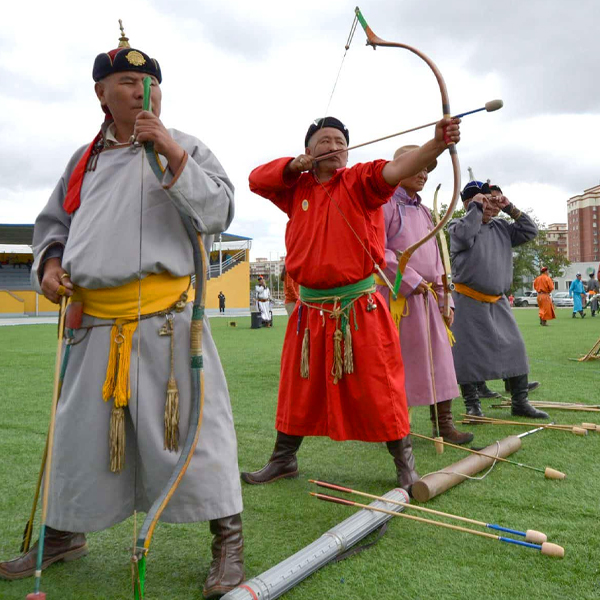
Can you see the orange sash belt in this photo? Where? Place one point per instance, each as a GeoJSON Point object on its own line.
{"type": "Point", "coordinates": [465, 290]}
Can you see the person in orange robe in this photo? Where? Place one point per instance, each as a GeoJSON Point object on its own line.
{"type": "Point", "coordinates": [341, 366]}
{"type": "Point", "coordinates": [544, 286]}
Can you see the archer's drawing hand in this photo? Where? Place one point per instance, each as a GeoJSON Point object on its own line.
{"type": "Point", "coordinates": [301, 163]}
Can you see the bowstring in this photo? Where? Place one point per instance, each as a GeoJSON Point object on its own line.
{"type": "Point", "coordinates": [139, 341]}
{"type": "Point", "coordinates": [346, 48]}
{"type": "Point", "coordinates": [339, 209]}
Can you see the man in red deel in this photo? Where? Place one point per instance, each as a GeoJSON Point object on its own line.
{"type": "Point", "coordinates": [341, 367]}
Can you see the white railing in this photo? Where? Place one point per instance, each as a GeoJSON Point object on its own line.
{"type": "Point", "coordinates": [218, 269]}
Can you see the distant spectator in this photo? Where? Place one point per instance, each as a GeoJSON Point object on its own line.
{"type": "Point", "coordinates": [221, 302]}
{"type": "Point", "coordinates": [593, 289]}
{"type": "Point", "coordinates": [544, 286]}
{"type": "Point", "coordinates": [577, 291]}
{"type": "Point", "coordinates": [511, 300]}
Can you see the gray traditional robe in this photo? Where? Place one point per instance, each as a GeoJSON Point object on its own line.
{"type": "Point", "coordinates": [100, 245]}
{"type": "Point", "coordinates": [488, 344]}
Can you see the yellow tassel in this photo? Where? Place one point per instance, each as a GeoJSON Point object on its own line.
{"type": "Point", "coordinates": [451, 337]}
{"type": "Point", "coordinates": [172, 416]}
{"type": "Point", "coordinates": [305, 356]}
{"type": "Point", "coordinates": [117, 439]}
{"type": "Point", "coordinates": [336, 369]}
{"type": "Point", "coordinates": [348, 352]}
{"type": "Point", "coordinates": [116, 384]}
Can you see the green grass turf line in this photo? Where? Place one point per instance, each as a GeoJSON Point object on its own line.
{"type": "Point", "coordinates": [413, 560]}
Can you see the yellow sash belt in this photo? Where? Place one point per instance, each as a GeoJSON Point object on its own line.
{"type": "Point", "coordinates": [153, 294]}
{"type": "Point", "coordinates": [465, 290]}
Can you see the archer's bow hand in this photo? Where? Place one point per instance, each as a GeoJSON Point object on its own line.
{"type": "Point", "coordinates": [447, 131]}
{"type": "Point", "coordinates": [149, 128]}
{"type": "Point", "coordinates": [55, 281]}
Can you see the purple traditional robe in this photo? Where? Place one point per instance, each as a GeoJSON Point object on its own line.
{"type": "Point", "coordinates": [407, 221]}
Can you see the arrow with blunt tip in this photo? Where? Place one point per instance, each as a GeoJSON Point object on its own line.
{"type": "Point", "coordinates": [548, 472]}
{"type": "Point", "coordinates": [545, 548]}
{"type": "Point", "coordinates": [473, 420]}
{"type": "Point", "coordinates": [536, 537]}
{"type": "Point", "coordinates": [490, 106]}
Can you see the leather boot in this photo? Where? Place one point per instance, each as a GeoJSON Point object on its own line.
{"type": "Point", "coordinates": [532, 385]}
{"type": "Point", "coordinates": [471, 398]}
{"type": "Point", "coordinates": [58, 545]}
{"type": "Point", "coordinates": [227, 567]}
{"type": "Point", "coordinates": [447, 430]}
{"type": "Point", "coordinates": [520, 404]}
{"type": "Point", "coordinates": [483, 391]}
{"type": "Point", "coordinates": [582, 314]}
{"type": "Point", "coordinates": [282, 464]}
{"type": "Point", "coordinates": [404, 460]}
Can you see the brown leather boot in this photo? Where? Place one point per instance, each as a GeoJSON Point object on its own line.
{"type": "Point", "coordinates": [58, 545]}
{"type": "Point", "coordinates": [404, 460]}
{"type": "Point", "coordinates": [282, 464]}
{"type": "Point", "coordinates": [227, 567]}
{"type": "Point", "coordinates": [447, 430]}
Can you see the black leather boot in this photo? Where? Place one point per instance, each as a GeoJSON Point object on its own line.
{"type": "Point", "coordinates": [483, 391]}
{"type": "Point", "coordinates": [532, 385]}
{"type": "Point", "coordinates": [447, 430]}
{"type": "Point", "coordinates": [471, 398]}
{"type": "Point", "coordinates": [227, 567]}
{"type": "Point", "coordinates": [404, 460]}
{"type": "Point", "coordinates": [520, 406]}
{"type": "Point", "coordinates": [282, 464]}
{"type": "Point", "coordinates": [58, 545]}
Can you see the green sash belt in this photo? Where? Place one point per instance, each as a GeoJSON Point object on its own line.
{"type": "Point", "coordinates": [343, 299]}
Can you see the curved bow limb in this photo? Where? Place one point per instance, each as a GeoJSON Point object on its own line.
{"type": "Point", "coordinates": [447, 279]}
{"type": "Point", "coordinates": [374, 41]}
{"type": "Point", "coordinates": [146, 532]}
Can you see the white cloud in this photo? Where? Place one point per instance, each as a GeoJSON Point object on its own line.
{"type": "Point", "coordinates": [248, 78]}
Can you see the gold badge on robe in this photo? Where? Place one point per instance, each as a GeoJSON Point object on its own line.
{"type": "Point", "coordinates": [305, 205]}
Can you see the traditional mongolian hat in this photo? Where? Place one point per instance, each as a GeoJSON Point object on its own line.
{"type": "Point", "coordinates": [326, 122]}
{"type": "Point", "coordinates": [122, 58]}
{"type": "Point", "coordinates": [543, 269]}
{"type": "Point", "coordinates": [410, 148]}
{"type": "Point", "coordinates": [125, 58]}
{"type": "Point", "coordinates": [473, 188]}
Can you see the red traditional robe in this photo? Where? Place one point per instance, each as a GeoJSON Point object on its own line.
{"type": "Point", "coordinates": [323, 253]}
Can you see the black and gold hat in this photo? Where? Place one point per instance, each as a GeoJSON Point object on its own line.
{"type": "Point", "coordinates": [125, 58]}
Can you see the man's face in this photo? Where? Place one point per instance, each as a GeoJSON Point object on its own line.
{"type": "Point", "coordinates": [325, 140]}
{"type": "Point", "coordinates": [415, 183]}
{"type": "Point", "coordinates": [123, 95]}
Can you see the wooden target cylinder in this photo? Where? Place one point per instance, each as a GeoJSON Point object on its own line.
{"type": "Point", "coordinates": [434, 484]}
{"type": "Point", "coordinates": [555, 550]}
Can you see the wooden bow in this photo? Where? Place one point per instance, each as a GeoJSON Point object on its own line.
{"type": "Point", "coordinates": [146, 531]}
{"type": "Point", "coordinates": [375, 41]}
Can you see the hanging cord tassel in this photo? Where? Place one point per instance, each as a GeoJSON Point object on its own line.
{"type": "Point", "coordinates": [117, 439]}
{"type": "Point", "coordinates": [348, 351]}
{"type": "Point", "coordinates": [336, 369]}
{"type": "Point", "coordinates": [305, 356]}
{"type": "Point", "coordinates": [172, 401]}
{"type": "Point", "coordinates": [116, 385]}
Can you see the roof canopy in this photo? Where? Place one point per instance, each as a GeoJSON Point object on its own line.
{"type": "Point", "coordinates": [23, 234]}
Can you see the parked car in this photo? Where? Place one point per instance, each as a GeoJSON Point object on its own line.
{"type": "Point", "coordinates": [527, 299]}
{"type": "Point", "coordinates": [562, 299]}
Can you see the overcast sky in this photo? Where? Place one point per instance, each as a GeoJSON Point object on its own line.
{"type": "Point", "coordinates": [248, 78]}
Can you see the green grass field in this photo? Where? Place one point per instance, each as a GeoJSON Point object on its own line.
{"type": "Point", "coordinates": [413, 560]}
